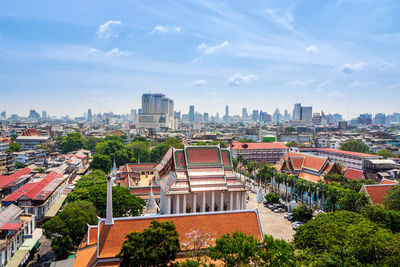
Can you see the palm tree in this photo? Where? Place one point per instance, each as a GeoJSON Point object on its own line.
{"type": "Point", "coordinates": [312, 187]}
{"type": "Point", "coordinates": [279, 180]}
{"type": "Point", "coordinates": [321, 192]}
{"type": "Point", "coordinates": [332, 196]}
{"type": "Point", "coordinates": [301, 186]}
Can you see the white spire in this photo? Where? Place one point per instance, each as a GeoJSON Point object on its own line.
{"type": "Point", "coordinates": [151, 203]}
{"type": "Point", "coordinates": [259, 198]}
{"type": "Point", "coordinates": [114, 170]}
{"type": "Point", "coordinates": [109, 211]}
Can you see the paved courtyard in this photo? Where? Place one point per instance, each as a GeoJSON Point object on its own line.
{"type": "Point", "coordinates": [272, 223]}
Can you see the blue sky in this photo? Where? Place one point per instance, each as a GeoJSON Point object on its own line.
{"type": "Point", "coordinates": [67, 56]}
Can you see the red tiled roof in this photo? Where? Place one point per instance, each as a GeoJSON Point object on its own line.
{"type": "Point", "coordinates": [30, 132]}
{"type": "Point", "coordinates": [217, 224]}
{"type": "Point", "coordinates": [314, 162]}
{"type": "Point", "coordinates": [276, 145]}
{"type": "Point", "coordinates": [202, 155]}
{"type": "Point", "coordinates": [342, 152]}
{"type": "Point", "coordinates": [226, 158]}
{"type": "Point", "coordinates": [180, 159]}
{"type": "Point", "coordinates": [386, 181]}
{"type": "Point", "coordinates": [11, 226]}
{"type": "Point", "coordinates": [354, 174]}
{"type": "Point", "coordinates": [378, 192]}
{"type": "Point", "coordinates": [7, 179]}
{"type": "Point", "coordinates": [297, 162]}
{"type": "Point", "coordinates": [310, 177]}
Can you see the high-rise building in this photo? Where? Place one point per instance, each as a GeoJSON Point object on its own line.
{"type": "Point", "coordinates": [380, 119]}
{"type": "Point", "coordinates": [205, 117]}
{"type": "Point", "coordinates": [89, 115]}
{"type": "Point", "coordinates": [244, 113]}
{"type": "Point", "coordinates": [33, 114]}
{"type": "Point", "coordinates": [191, 113]}
{"type": "Point", "coordinates": [276, 117]}
{"type": "Point", "coordinates": [364, 119]}
{"type": "Point", "coordinates": [44, 115]}
{"type": "Point", "coordinates": [177, 115]}
{"type": "Point", "coordinates": [3, 114]}
{"type": "Point", "coordinates": [133, 115]}
{"type": "Point", "coordinates": [306, 114]}
{"type": "Point", "coordinates": [157, 112]}
{"type": "Point", "coordinates": [297, 112]}
{"type": "Point", "coordinates": [227, 111]}
{"type": "Point", "coordinates": [255, 116]}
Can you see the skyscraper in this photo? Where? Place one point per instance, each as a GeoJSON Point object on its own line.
{"type": "Point", "coordinates": [33, 114]}
{"type": "Point", "coordinates": [297, 112]}
{"type": "Point", "coordinates": [89, 115]}
{"type": "Point", "coordinates": [191, 113]}
{"type": "Point", "coordinates": [44, 115]}
{"type": "Point", "coordinates": [244, 113]}
{"type": "Point", "coordinates": [255, 116]}
{"type": "Point", "coordinates": [306, 114]}
{"type": "Point", "coordinates": [133, 115]}
{"type": "Point", "coordinates": [205, 117]}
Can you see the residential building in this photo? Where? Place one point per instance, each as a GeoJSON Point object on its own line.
{"type": "Point", "coordinates": [378, 192]}
{"type": "Point", "coordinates": [199, 179]}
{"type": "Point", "coordinates": [10, 183]}
{"type": "Point", "coordinates": [31, 142]}
{"type": "Point", "coordinates": [259, 152]}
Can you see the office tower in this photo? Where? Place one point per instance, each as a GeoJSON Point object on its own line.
{"type": "Point", "coordinates": [157, 112]}
{"type": "Point", "coordinates": [133, 115]}
{"type": "Point", "coordinates": [255, 116]}
{"type": "Point", "coordinates": [297, 112]}
{"type": "Point", "coordinates": [177, 115]}
{"type": "Point", "coordinates": [89, 115]}
{"type": "Point", "coordinates": [33, 114]}
{"type": "Point", "coordinates": [191, 113]}
{"type": "Point", "coordinates": [244, 113]}
{"type": "Point", "coordinates": [44, 115]}
{"type": "Point", "coordinates": [205, 117]}
{"type": "Point", "coordinates": [306, 114]}
{"type": "Point", "coordinates": [276, 117]}
{"type": "Point", "coordinates": [380, 119]}
{"type": "Point", "coordinates": [364, 119]}
{"type": "Point", "coordinates": [3, 114]}
{"type": "Point", "coordinates": [227, 111]}
{"type": "Point", "coordinates": [217, 117]}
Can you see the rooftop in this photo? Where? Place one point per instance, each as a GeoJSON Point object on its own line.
{"type": "Point", "coordinates": [276, 145]}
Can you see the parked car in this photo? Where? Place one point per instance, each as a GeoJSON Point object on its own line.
{"type": "Point", "coordinates": [287, 215]}
{"type": "Point", "coordinates": [297, 224]}
{"type": "Point", "coordinates": [290, 218]}
{"type": "Point", "coordinates": [278, 210]}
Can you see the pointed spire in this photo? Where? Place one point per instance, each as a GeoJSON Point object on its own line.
{"type": "Point", "coordinates": [109, 211]}
{"type": "Point", "coordinates": [114, 170]}
{"type": "Point", "coordinates": [259, 198]}
{"type": "Point", "coordinates": [151, 203]}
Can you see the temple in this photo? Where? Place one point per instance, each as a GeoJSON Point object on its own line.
{"type": "Point", "coordinates": [199, 179]}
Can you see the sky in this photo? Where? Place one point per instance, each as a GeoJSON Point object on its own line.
{"type": "Point", "coordinates": [67, 56]}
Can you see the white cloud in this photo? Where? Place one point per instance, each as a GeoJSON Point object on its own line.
{"type": "Point", "coordinates": [350, 68]}
{"type": "Point", "coordinates": [358, 84]}
{"type": "Point", "coordinates": [104, 31]}
{"type": "Point", "coordinates": [212, 49]}
{"type": "Point", "coordinates": [199, 83]}
{"type": "Point", "coordinates": [300, 83]}
{"type": "Point", "coordinates": [165, 29]}
{"type": "Point", "coordinates": [239, 79]}
{"type": "Point", "coordinates": [116, 52]}
{"type": "Point", "coordinates": [313, 49]}
{"type": "Point", "coordinates": [385, 66]}
{"type": "Point", "coordinates": [335, 94]}
{"type": "Point", "coordinates": [281, 17]}
{"type": "Point", "coordinates": [323, 84]}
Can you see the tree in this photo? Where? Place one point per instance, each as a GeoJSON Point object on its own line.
{"type": "Point", "coordinates": [354, 146]}
{"type": "Point", "coordinates": [333, 194]}
{"type": "Point", "coordinates": [272, 198]}
{"type": "Point", "coordinates": [92, 142]}
{"type": "Point", "coordinates": [392, 200]}
{"type": "Point", "coordinates": [352, 201]}
{"type": "Point", "coordinates": [13, 147]}
{"type": "Point", "coordinates": [196, 242]}
{"type": "Point", "coordinates": [68, 227]}
{"type": "Point", "coordinates": [276, 252]}
{"type": "Point", "coordinates": [345, 238]}
{"type": "Point", "coordinates": [389, 219]}
{"type": "Point", "coordinates": [292, 143]}
{"type": "Point", "coordinates": [302, 213]}
{"type": "Point", "coordinates": [235, 250]}
{"type": "Point", "coordinates": [174, 142]}
{"type": "Point", "coordinates": [115, 150]}
{"type": "Point", "coordinates": [140, 150]}
{"type": "Point", "coordinates": [101, 162]}
{"type": "Point", "coordinates": [385, 153]}
{"type": "Point", "coordinates": [158, 152]}
{"type": "Point", "coordinates": [72, 142]}
{"type": "Point", "coordinates": [154, 246]}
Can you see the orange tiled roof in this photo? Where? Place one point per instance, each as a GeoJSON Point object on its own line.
{"type": "Point", "coordinates": [378, 192]}
{"type": "Point", "coordinates": [310, 177]}
{"type": "Point", "coordinates": [276, 145]}
{"type": "Point", "coordinates": [387, 181]}
{"type": "Point", "coordinates": [354, 174]}
{"type": "Point", "coordinates": [86, 257]}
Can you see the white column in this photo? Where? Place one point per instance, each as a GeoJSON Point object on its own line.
{"type": "Point", "coordinates": [231, 201]}
{"type": "Point", "coordinates": [194, 202]}
{"type": "Point", "coordinates": [203, 206]}
{"type": "Point", "coordinates": [212, 201]}
{"type": "Point", "coordinates": [184, 204]}
{"type": "Point", "coordinates": [177, 204]}
{"type": "Point", "coordinates": [237, 200]}
{"type": "Point", "coordinates": [244, 199]}
{"type": "Point", "coordinates": [221, 205]}
{"type": "Point", "coordinates": [168, 204]}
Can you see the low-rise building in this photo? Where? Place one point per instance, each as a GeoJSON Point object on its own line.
{"type": "Point", "coordinates": [31, 142]}
{"type": "Point", "coordinates": [259, 152]}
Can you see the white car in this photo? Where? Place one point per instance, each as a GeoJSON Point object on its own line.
{"type": "Point", "coordinates": [297, 224]}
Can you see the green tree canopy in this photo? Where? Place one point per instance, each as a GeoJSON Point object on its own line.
{"type": "Point", "coordinates": [272, 197]}
{"type": "Point", "coordinates": [68, 227]}
{"type": "Point", "coordinates": [354, 146]}
{"type": "Point", "coordinates": [101, 162]}
{"type": "Point", "coordinates": [392, 200]}
{"type": "Point", "coordinates": [385, 153]}
{"type": "Point", "coordinates": [276, 252]}
{"type": "Point", "coordinates": [174, 142]}
{"type": "Point", "coordinates": [302, 213]}
{"type": "Point", "coordinates": [346, 239]}
{"type": "Point", "coordinates": [292, 143]}
{"type": "Point", "coordinates": [154, 246]}
{"type": "Point", "coordinates": [13, 147]}
{"type": "Point", "coordinates": [115, 150]}
{"type": "Point", "coordinates": [385, 218]}
{"type": "Point", "coordinates": [237, 249]}
{"type": "Point", "coordinates": [72, 142]}
{"type": "Point", "coordinates": [158, 152]}
{"type": "Point", "coordinates": [352, 201]}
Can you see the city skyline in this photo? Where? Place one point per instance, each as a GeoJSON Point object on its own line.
{"type": "Point", "coordinates": [337, 56]}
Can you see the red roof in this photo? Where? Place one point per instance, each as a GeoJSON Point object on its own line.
{"type": "Point", "coordinates": [30, 132]}
{"type": "Point", "coordinates": [203, 155]}
{"type": "Point", "coordinates": [358, 154]}
{"type": "Point", "coordinates": [31, 190]}
{"type": "Point", "coordinates": [10, 226]}
{"type": "Point", "coordinates": [276, 145]}
{"type": "Point", "coordinates": [7, 179]}
{"type": "Point", "coordinates": [377, 192]}
{"type": "Point", "coordinates": [354, 174]}
{"type": "Point", "coordinates": [386, 181]}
